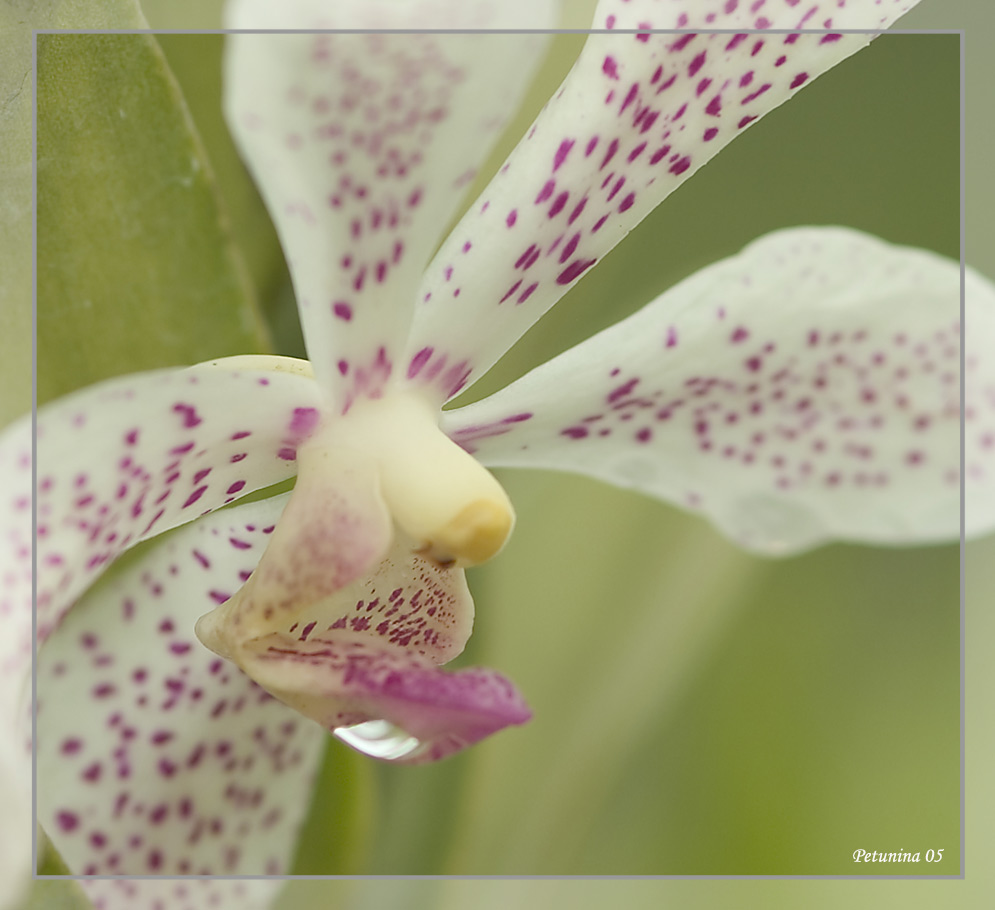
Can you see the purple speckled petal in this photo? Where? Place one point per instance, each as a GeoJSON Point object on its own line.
{"type": "Point", "coordinates": [344, 679]}
{"type": "Point", "coordinates": [182, 894]}
{"type": "Point", "coordinates": [363, 144]}
{"type": "Point", "coordinates": [369, 653]}
{"type": "Point", "coordinates": [637, 115]}
{"type": "Point", "coordinates": [16, 822]}
{"type": "Point", "coordinates": [134, 456]}
{"type": "Point", "coordinates": [804, 390]}
{"type": "Point", "coordinates": [156, 756]}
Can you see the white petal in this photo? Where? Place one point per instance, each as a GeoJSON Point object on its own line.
{"type": "Point", "coordinates": [636, 117]}
{"type": "Point", "coordinates": [181, 894]}
{"type": "Point", "coordinates": [134, 456]}
{"type": "Point", "coordinates": [363, 144]}
{"type": "Point", "coordinates": [804, 390]}
{"type": "Point", "coordinates": [155, 756]}
{"type": "Point", "coordinates": [16, 823]}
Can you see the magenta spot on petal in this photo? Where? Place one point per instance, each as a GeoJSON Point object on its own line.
{"type": "Point", "coordinates": [574, 432]}
{"type": "Point", "coordinates": [609, 153]}
{"type": "Point", "coordinates": [527, 292]}
{"type": "Point", "coordinates": [710, 133]}
{"type": "Point", "coordinates": [419, 361]}
{"type": "Point", "coordinates": [558, 203]}
{"type": "Point", "coordinates": [829, 39]}
{"type": "Point", "coordinates": [681, 165]}
{"type": "Point", "coordinates": [287, 453]}
{"type": "Point", "coordinates": [574, 270]}
{"type": "Point", "coordinates": [546, 191]}
{"type": "Point", "coordinates": [561, 153]}
{"type": "Point", "coordinates": [610, 67]}
{"type": "Point", "coordinates": [659, 153]}
{"type": "Point", "coordinates": [342, 310]}
{"type": "Point", "coordinates": [304, 420]}
{"type": "Point", "coordinates": [67, 821]}
{"type": "Point", "coordinates": [235, 487]}
{"type": "Point", "coordinates": [512, 218]}
{"type": "Point", "coordinates": [131, 437]}
{"type": "Point", "coordinates": [194, 496]}
{"type": "Point", "coordinates": [189, 412]}
{"type": "Point", "coordinates": [800, 79]}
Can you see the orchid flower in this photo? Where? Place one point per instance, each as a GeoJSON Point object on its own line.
{"type": "Point", "coordinates": [802, 391]}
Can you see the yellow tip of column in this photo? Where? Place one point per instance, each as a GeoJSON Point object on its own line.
{"type": "Point", "coordinates": [473, 536]}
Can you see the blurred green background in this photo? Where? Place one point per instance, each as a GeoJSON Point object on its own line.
{"type": "Point", "coordinates": [698, 711]}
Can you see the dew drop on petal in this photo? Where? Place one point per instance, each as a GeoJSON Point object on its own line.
{"type": "Point", "coordinates": [380, 739]}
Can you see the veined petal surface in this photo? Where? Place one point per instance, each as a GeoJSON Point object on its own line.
{"type": "Point", "coordinates": [155, 756]}
{"type": "Point", "coordinates": [363, 144]}
{"type": "Point", "coordinates": [134, 456]}
{"type": "Point", "coordinates": [637, 115]}
{"type": "Point", "coordinates": [367, 655]}
{"type": "Point", "coordinates": [804, 390]}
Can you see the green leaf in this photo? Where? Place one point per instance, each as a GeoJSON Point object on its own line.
{"type": "Point", "coordinates": [136, 268]}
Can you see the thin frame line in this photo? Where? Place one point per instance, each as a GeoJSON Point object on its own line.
{"type": "Point", "coordinates": [487, 31]}
{"type": "Point", "coordinates": [649, 877]}
{"type": "Point", "coordinates": [963, 452]}
{"type": "Point", "coordinates": [34, 454]}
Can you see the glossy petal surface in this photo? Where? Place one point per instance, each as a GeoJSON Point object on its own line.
{"type": "Point", "coordinates": [362, 145]}
{"type": "Point", "coordinates": [804, 390]}
{"type": "Point", "coordinates": [134, 456]}
{"type": "Point", "coordinates": [636, 117]}
{"type": "Point", "coordinates": [155, 756]}
{"type": "Point", "coordinates": [368, 653]}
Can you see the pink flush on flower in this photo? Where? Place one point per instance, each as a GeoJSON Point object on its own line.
{"type": "Point", "coordinates": [802, 391]}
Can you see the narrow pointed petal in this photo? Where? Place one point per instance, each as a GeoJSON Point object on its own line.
{"type": "Point", "coordinates": [636, 117]}
{"type": "Point", "coordinates": [804, 390]}
{"type": "Point", "coordinates": [363, 144]}
{"type": "Point", "coordinates": [367, 656]}
{"type": "Point", "coordinates": [181, 894]}
{"type": "Point", "coordinates": [155, 756]}
{"type": "Point", "coordinates": [134, 456]}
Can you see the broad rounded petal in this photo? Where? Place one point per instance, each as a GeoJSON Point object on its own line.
{"type": "Point", "coordinates": [183, 894]}
{"type": "Point", "coordinates": [637, 115]}
{"type": "Point", "coordinates": [367, 656]}
{"type": "Point", "coordinates": [363, 144]}
{"type": "Point", "coordinates": [804, 390]}
{"type": "Point", "coordinates": [155, 756]}
{"type": "Point", "coordinates": [134, 456]}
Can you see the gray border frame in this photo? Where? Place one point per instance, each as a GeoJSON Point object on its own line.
{"type": "Point", "coordinates": [35, 876]}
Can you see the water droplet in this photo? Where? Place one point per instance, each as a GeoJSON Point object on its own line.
{"type": "Point", "coordinates": [381, 739]}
